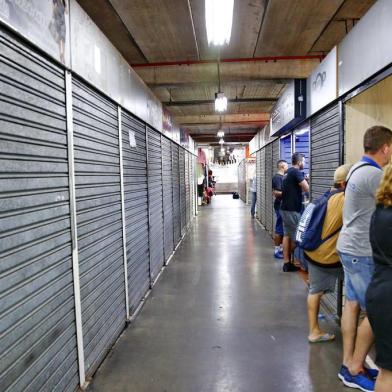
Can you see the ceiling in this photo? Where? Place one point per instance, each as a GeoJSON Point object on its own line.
{"type": "Point", "coordinates": [272, 42]}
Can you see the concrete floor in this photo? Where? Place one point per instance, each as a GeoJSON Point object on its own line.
{"type": "Point", "coordinates": [222, 317]}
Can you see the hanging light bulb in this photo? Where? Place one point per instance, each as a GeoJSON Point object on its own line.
{"type": "Point", "coordinates": [220, 102]}
{"type": "Point", "coordinates": [219, 21]}
{"type": "Point", "coordinates": [220, 134]}
{"type": "Point", "coordinates": [221, 141]}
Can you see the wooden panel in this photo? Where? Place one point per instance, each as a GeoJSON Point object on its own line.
{"type": "Point", "coordinates": [372, 107]}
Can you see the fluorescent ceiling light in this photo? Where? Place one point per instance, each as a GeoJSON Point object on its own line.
{"type": "Point", "coordinates": [220, 134]}
{"type": "Point", "coordinates": [220, 102]}
{"type": "Point", "coordinates": [222, 150]}
{"type": "Point", "coordinates": [221, 141]}
{"type": "Point", "coordinates": [219, 20]}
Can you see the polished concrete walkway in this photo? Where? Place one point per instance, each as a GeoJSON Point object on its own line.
{"type": "Point", "coordinates": [223, 317]}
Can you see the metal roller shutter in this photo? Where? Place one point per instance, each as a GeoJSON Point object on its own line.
{"type": "Point", "coordinates": [325, 151]}
{"type": "Point", "coordinates": [182, 190]}
{"type": "Point", "coordinates": [258, 183]}
{"type": "Point", "coordinates": [242, 180]}
{"type": "Point", "coordinates": [136, 209]}
{"type": "Point", "coordinates": [263, 186]}
{"type": "Point", "coordinates": [176, 193]}
{"type": "Point", "coordinates": [268, 188]}
{"type": "Point", "coordinates": [275, 159]}
{"type": "Point", "coordinates": [193, 185]}
{"type": "Point", "coordinates": [155, 200]}
{"type": "Point", "coordinates": [37, 314]}
{"type": "Point", "coordinates": [187, 187]}
{"type": "Point", "coordinates": [99, 219]}
{"type": "Point", "coordinates": [167, 196]}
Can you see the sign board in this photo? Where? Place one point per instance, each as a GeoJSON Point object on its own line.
{"type": "Point", "coordinates": [290, 108]}
{"type": "Point", "coordinates": [44, 23]}
{"type": "Point", "coordinates": [367, 49]}
{"type": "Point", "coordinates": [322, 84]}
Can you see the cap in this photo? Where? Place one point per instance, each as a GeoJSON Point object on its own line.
{"type": "Point", "coordinates": [341, 173]}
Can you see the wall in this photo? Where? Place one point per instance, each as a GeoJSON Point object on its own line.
{"type": "Point", "coordinates": [372, 107]}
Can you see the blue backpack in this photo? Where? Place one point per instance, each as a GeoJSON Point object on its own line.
{"type": "Point", "coordinates": [310, 226]}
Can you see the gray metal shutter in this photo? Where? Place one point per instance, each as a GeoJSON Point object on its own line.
{"type": "Point", "coordinates": [275, 159]}
{"type": "Point", "coordinates": [167, 196]}
{"type": "Point", "coordinates": [136, 209]}
{"type": "Point", "coordinates": [263, 186]}
{"type": "Point", "coordinates": [182, 190]}
{"type": "Point", "coordinates": [187, 187]}
{"type": "Point", "coordinates": [99, 219]}
{"type": "Point", "coordinates": [176, 193]}
{"type": "Point", "coordinates": [258, 184]}
{"type": "Point", "coordinates": [37, 315]}
{"type": "Point", "coordinates": [268, 188]}
{"type": "Point", "coordinates": [242, 180]}
{"type": "Point", "coordinates": [155, 200]}
{"type": "Point", "coordinates": [325, 149]}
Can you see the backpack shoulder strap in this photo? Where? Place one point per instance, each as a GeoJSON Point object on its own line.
{"type": "Point", "coordinates": [353, 171]}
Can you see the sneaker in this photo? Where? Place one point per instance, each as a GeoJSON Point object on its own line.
{"type": "Point", "coordinates": [360, 381]}
{"type": "Point", "coordinates": [371, 373]}
{"type": "Point", "coordinates": [290, 267]}
{"type": "Point", "coordinates": [278, 254]}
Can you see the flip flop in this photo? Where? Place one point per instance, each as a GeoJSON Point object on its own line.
{"type": "Point", "coordinates": [327, 337]}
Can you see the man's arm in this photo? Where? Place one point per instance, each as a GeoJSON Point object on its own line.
{"type": "Point", "coordinates": [304, 186]}
{"type": "Point", "coordinates": [277, 193]}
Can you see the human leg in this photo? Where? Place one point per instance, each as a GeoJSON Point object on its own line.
{"type": "Point", "coordinates": [253, 207]}
{"type": "Point", "coordinates": [384, 381]}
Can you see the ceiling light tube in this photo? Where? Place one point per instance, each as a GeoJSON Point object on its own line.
{"type": "Point", "coordinates": [220, 134]}
{"type": "Point", "coordinates": [219, 21]}
{"type": "Point", "coordinates": [221, 141]}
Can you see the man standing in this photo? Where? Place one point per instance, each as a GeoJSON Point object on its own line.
{"type": "Point", "coordinates": [294, 184]}
{"type": "Point", "coordinates": [323, 262]}
{"type": "Point", "coordinates": [356, 255]}
{"type": "Point", "coordinates": [277, 186]}
{"type": "Point", "coordinates": [253, 192]}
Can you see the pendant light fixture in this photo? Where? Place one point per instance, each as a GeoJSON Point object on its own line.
{"type": "Point", "coordinates": [220, 99]}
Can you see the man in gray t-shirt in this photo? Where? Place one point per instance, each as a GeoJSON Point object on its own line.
{"type": "Point", "coordinates": [356, 254]}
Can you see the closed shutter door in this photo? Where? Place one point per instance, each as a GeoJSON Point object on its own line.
{"type": "Point", "coordinates": [176, 193]}
{"type": "Point", "coordinates": [37, 315]}
{"type": "Point", "coordinates": [275, 159]}
{"type": "Point", "coordinates": [155, 197]}
{"type": "Point", "coordinates": [136, 209]}
{"type": "Point", "coordinates": [99, 219]}
{"type": "Point", "coordinates": [187, 186]}
{"type": "Point", "coordinates": [325, 149]}
{"type": "Point", "coordinates": [258, 184]}
{"type": "Point", "coordinates": [167, 196]}
{"type": "Point", "coordinates": [182, 190]}
{"type": "Point", "coordinates": [268, 188]}
{"type": "Point", "coordinates": [242, 180]}
{"type": "Point", "coordinates": [263, 186]}
{"type": "Point", "coordinates": [193, 185]}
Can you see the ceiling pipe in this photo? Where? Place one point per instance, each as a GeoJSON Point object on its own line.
{"type": "Point", "coordinates": [233, 60]}
{"type": "Point", "coordinates": [211, 101]}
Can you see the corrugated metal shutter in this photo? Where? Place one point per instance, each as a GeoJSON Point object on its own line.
{"type": "Point", "coordinates": [37, 316]}
{"type": "Point", "coordinates": [268, 188]}
{"type": "Point", "coordinates": [263, 186]}
{"type": "Point", "coordinates": [325, 149]}
{"type": "Point", "coordinates": [275, 159]}
{"type": "Point", "coordinates": [187, 187]}
{"type": "Point", "coordinates": [193, 185]}
{"type": "Point", "coordinates": [176, 193]}
{"type": "Point", "coordinates": [167, 196]}
{"type": "Point", "coordinates": [258, 184]}
{"type": "Point", "coordinates": [136, 209]}
{"type": "Point", "coordinates": [99, 219]}
{"type": "Point", "coordinates": [155, 198]}
{"type": "Point", "coordinates": [242, 180]}
{"type": "Point", "coordinates": [182, 190]}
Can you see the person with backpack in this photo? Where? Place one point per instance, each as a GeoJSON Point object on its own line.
{"type": "Point", "coordinates": [294, 184]}
{"type": "Point", "coordinates": [318, 240]}
{"type": "Point", "coordinates": [356, 255]}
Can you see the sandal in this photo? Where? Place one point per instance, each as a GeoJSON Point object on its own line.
{"type": "Point", "coordinates": [327, 337]}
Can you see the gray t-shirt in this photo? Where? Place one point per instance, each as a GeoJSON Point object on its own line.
{"type": "Point", "coordinates": [359, 205]}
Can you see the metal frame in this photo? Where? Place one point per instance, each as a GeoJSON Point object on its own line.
{"type": "Point", "coordinates": [74, 231]}
{"type": "Point", "coordinates": [120, 146]}
{"type": "Point", "coordinates": [148, 209]}
{"type": "Point", "coordinates": [163, 207]}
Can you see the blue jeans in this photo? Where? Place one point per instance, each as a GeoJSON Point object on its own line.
{"type": "Point", "coordinates": [279, 223]}
{"type": "Point", "coordinates": [253, 207]}
{"type": "Point", "coordinates": [358, 272]}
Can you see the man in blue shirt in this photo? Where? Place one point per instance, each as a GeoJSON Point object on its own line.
{"type": "Point", "coordinates": [294, 183]}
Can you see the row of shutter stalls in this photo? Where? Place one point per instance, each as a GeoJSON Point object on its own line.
{"type": "Point", "coordinates": [325, 157]}
{"type": "Point", "coordinates": [39, 203]}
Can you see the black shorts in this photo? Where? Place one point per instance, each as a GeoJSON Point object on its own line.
{"type": "Point", "coordinates": [379, 311]}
